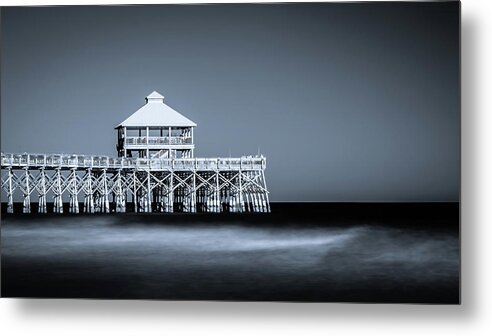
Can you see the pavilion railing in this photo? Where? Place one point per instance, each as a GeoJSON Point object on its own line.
{"type": "Point", "coordinates": [142, 140]}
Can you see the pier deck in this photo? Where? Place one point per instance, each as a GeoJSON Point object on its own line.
{"type": "Point", "coordinates": [151, 184]}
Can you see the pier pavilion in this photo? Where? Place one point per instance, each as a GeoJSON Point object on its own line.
{"type": "Point", "coordinates": [155, 171]}
{"type": "Point", "coordinates": [156, 131]}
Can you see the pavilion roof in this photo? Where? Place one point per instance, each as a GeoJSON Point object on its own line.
{"type": "Point", "coordinates": [156, 113]}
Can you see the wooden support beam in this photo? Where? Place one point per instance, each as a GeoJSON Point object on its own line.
{"type": "Point", "coordinates": [162, 185]}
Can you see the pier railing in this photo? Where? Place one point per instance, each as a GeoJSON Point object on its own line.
{"type": "Point", "coordinates": [68, 161]}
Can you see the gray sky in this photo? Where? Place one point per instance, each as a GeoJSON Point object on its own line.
{"type": "Point", "coordinates": [349, 102]}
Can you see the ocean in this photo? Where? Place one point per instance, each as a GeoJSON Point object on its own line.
{"type": "Point", "coordinates": [320, 252]}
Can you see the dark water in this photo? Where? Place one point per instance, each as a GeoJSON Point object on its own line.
{"type": "Point", "coordinates": [351, 254]}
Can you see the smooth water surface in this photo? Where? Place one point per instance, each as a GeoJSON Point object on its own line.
{"type": "Point", "coordinates": [148, 257]}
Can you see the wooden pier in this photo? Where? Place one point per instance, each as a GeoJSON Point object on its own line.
{"type": "Point", "coordinates": [155, 171]}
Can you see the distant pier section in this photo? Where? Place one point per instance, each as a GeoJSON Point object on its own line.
{"type": "Point", "coordinates": [155, 171]}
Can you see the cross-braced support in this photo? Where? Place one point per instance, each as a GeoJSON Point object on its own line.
{"type": "Point", "coordinates": [42, 191]}
{"type": "Point", "coordinates": [87, 187]}
{"type": "Point", "coordinates": [119, 193]}
{"type": "Point", "coordinates": [9, 185]}
{"type": "Point", "coordinates": [26, 189]}
{"type": "Point", "coordinates": [58, 191]}
{"type": "Point", "coordinates": [187, 186]}
{"type": "Point", "coordinates": [73, 190]}
{"type": "Point", "coordinates": [104, 192]}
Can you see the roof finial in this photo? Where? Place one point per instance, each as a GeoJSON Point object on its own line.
{"type": "Point", "coordinates": [155, 97]}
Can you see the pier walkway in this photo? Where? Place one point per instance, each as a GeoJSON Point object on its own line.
{"type": "Point", "coordinates": [151, 184]}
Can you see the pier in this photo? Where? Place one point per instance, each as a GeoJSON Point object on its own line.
{"type": "Point", "coordinates": [155, 171]}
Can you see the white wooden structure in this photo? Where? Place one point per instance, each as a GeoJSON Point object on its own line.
{"type": "Point", "coordinates": [155, 171]}
{"type": "Point", "coordinates": [156, 130]}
